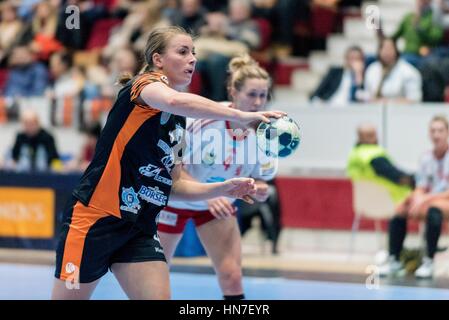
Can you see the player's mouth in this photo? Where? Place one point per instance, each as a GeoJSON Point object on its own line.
{"type": "Point", "coordinates": [189, 71]}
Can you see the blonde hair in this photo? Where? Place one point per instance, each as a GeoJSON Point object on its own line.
{"type": "Point", "coordinates": [157, 43]}
{"type": "Point", "coordinates": [441, 118]}
{"type": "Point", "coordinates": [242, 68]}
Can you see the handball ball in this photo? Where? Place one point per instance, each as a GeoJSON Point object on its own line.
{"type": "Point", "coordinates": [279, 138]}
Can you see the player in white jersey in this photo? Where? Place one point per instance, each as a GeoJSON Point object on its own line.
{"type": "Point", "coordinates": [232, 153]}
{"type": "Point", "coordinates": [429, 202]}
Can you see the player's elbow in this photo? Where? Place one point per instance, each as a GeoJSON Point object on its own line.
{"type": "Point", "coordinates": [176, 101]}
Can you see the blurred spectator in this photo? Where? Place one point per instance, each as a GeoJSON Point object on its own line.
{"type": "Point", "coordinates": [67, 81]}
{"type": "Point", "coordinates": [435, 76]}
{"type": "Point", "coordinates": [420, 33]}
{"type": "Point", "coordinates": [34, 148]}
{"type": "Point", "coordinates": [11, 28]}
{"type": "Point", "coordinates": [341, 84]}
{"type": "Point", "coordinates": [440, 10]}
{"type": "Point", "coordinates": [215, 5]}
{"type": "Point", "coordinates": [221, 39]}
{"type": "Point", "coordinates": [391, 78]}
{"type": "Point", "coordinates": [282, 15]}
{"type": "Point", "coordinates": [27, 78]}
{"type": "Point", "coordinates": [42, 31]}
{"type": "Point", "coordinates": [123, 61]}
{"type": "Point", "coordinates": [370, 162]}
{"type": "Point", "coordinates": [25, 9]}
{"type": "Point", "coordinates": [191, 16]}
{"type": "Point", "coordinates": [92, 133]}
{"type": "Point", "coordinates": [428, 202]}
{"type": "Point", "coordinates": [89, 12]}
{"type": "Point", "coordinates": [143, 18]}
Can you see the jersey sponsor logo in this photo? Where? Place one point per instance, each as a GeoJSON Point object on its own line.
{"type": "Point", "coordinates": [156, 238]}
{"type": "Point", "coordinates": [130, 200]}
{"type": "Point", "coordinates": [158, 250]}
{"type": "Point", "coordinates": [164, 79]}
{"type": "Point", "coordinates": [70, 267]}
{"type": "Point", "coordinates": [165, 116]}
{"type": "Point", "coordinates": [176, 135]}
{"type": "Point", "coordinates": [164, 146]}
{"type": "Point", "coordinates": [153, 171]}
{"type": "Point", "coordinates": [168, 161]}
{"type": "Point", "coordinates": [167, 218]}
{"type": "Point", "coordinates": [153, 195]}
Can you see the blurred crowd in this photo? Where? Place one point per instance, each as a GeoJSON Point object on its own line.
{"type": "Point", "coordinates": [417, 73]}
{"type": "Point", "coordinates": [71, 52]}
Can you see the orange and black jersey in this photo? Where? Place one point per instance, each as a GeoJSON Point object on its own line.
{"type": "Point", "coordinates": [129, 175]}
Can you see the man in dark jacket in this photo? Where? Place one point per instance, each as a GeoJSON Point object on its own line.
{"type": "Point", "coordinates": [34, 149]}
{"type": "Point", "coordinates": [341, 84]}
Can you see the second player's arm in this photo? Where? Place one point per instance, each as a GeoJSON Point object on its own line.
{"type": "Point", "coordinates": [185, 189]}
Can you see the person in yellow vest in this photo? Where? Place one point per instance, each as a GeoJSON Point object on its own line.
{"type": "Point", "coordinates": [429, 202]}
{"type": "Point", "coordinates": [370, 161]}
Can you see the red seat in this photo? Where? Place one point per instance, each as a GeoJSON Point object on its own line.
{"type": "Point", "coordinates": [3, 78]}
{"type": "Point", "coordinates": [265, 32]}
{"type": "Point", "coordinates": [323, 21]}
{"type": "Point", "coordinates": [100, 33]}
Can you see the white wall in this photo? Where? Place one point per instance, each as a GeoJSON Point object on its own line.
{"type": "Point", "coordinates": [328, 134]}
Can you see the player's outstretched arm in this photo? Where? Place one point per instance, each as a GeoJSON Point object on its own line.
{"type": "Point", "coordinates": [189, 190]}
{"type": "Point", "coordinates": [164, 98]}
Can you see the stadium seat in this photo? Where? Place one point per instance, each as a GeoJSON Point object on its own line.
{"type": "Point", "coordinates": [3, 78]}
{"type": "Point", "coordinates": [100, 32]}
{"type": "Point", "coordinates": [370, 200]}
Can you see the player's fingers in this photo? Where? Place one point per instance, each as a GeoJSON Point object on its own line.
{"type": "Point", "coordinates": [214, 212]}
{"type": "Point", "coordinates": [248, 199]}
{"type": "Point", "coordinates": [227, 207]}
{"type": "Point", "coordinates": [221, 209]}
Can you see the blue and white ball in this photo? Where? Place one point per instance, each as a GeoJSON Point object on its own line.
{"type": "Point", "coordinates": [279, 138]}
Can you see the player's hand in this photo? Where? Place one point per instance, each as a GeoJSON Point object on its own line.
{"type": "Point", "coordinates": [262, 193]}
{"type": "Point", "coordinates": [239, 188]}
{"type": "Point", "coordinates": [419, 205]}
{"type": "Point", "coordinates": [249, 118]}
{"type": "Point", "coordinates": [221, 208]}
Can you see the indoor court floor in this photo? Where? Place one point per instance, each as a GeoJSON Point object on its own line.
{"type": "Point", "coordinates": [28, 281]}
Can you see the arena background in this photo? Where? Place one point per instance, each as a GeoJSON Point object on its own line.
{"type": "Point", "coordinates": [320, 253]}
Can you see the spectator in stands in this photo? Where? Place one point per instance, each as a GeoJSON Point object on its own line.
{"type": "Point", "coordinates": [42, 31]}
{"type": "Point", "coordinates": [89, 12]}
{"type": "Point", "coordinates": [191, 16]}
{"type": "Point", "coordinates": [221, 39]}
{"type": "Point", "coordinates": [124, 61]}
{"type": "Point", "coordinates": [34, 148]}
{"type": "Point", "coordinates": [392, 78]}
{"type": "Point", "coordinates": [11, 29]}
{"type": "Point", "coordinates": [341, 85]}
{"type": "Point", "coordinates": [27, 78]}
{"type": "Point", "coordinates": [428, 202]}
{"type": "Point", "coordinates": [282, 15]}
{"type": "Point", "coordinates": [25, 9]}
{"type": "Point", "coordinates": [420, 33]}
{"type": "Point", "coordinates": [67, 81]}
{"type": "Point", "coordinates": [143, 18]}
{"type": "Point", "coordinates": [440, 11]}
{"type": "Point", "coordinates": [370, 161]}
